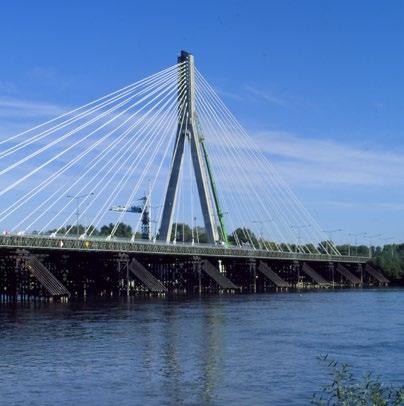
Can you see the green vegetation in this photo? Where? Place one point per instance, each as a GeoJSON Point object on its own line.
{"type": "Point", "coordinates": [123, 230]}
{"type": "Point", "coordinates": [355, 250]}
{"type": "Point", "coordinates": [389, 258]}
{"type": "Point", "coordinates": [183, 233]}
{"type": "Point", "coordinates": [345, 389]}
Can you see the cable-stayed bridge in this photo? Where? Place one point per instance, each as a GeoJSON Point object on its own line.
{"type": "Point", "coordinates": [158, 171]}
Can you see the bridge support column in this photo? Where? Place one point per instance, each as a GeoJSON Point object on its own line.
{"type": "Point", "coordinates": [16, 277]}
{"type": "Point", "coordinates": [123, 272]}
{"type": "Point", "coordinates": [331, 270]}
{"type": "Point", "coordinates": [197, 268]}
{"type": "Point", "coordinates": [252, 263]}
{"type": "Point", "coordinates": [296, 273]}
{"type": "Point", "coordinates": [360, 270]}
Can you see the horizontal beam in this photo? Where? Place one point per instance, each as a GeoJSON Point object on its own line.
{"type": "Point", "coordinates": [95, 244]}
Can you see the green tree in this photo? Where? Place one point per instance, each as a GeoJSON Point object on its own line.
{"type": "Point", "coordinates": [122, 231]}
{"type": "Point", "coordinates": [181, 232]}
{"type": "Point", "coordinates": [243, 236]}
{"type": "Point", "coordinates": [200, 235]}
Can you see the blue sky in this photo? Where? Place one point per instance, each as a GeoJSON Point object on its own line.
{"type": "Point", "coordinates": [317, 83]}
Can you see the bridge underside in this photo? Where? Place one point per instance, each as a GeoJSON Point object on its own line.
{"type": "Point", "coordinates": [90, 273]}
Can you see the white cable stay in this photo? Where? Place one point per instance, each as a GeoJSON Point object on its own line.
{"type": "Point", "coordinates": [58, 155]}
{"type": "Point", "coordinates": [54, 176]}
{"type": "Point", "coordinates": [126, 88]}
{"type": "Point", "coordinates": [162, 123]}
{"type": "Point", "coordinates": [247, 202]}
{"type": "Point", "coordinates": [260, 161]}
{"type": "Point", "coordinates": [166, 131]}
{"type": "Point", "coordinates": [86, 124]}
{"type": "Point", "coordinates": [110, 169]}
{"type": "Point", "coordinates": [178, 117]}
{"type": "Point", "coordinates": [150, 85]}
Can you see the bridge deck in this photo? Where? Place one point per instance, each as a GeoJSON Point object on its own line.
{"type": "Point", "coordinates": [160, 248]}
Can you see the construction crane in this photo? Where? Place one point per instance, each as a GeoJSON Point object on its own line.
{"type": "Point", "coordinates": [145, 210]}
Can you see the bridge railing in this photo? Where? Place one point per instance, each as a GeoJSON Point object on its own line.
{"type": "Point", "coordinates": [161, 248]}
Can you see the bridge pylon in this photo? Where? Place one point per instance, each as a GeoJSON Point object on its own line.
{"type": "Point", "coordinates": [188, 130]}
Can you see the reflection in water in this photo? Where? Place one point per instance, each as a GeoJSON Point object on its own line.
{"type": "Point", "coordinates": [211, 351]}
{"type": "Point", "coordinates": [147, 346]}
{"type": "Point", "coordinates": [171, 369]}
{"type": "Point", "coordinates": [257, 350]}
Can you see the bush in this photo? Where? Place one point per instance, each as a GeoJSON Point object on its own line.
{"type": "Point", "coordinates": [346, 390]}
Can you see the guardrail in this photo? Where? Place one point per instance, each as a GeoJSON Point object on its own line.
{"type": "Point", "coordinates": [161, 248]}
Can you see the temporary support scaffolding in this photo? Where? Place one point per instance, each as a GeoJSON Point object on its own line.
{"type": "Point", "coordinates": [377, 275]}
{"type": "Point", "coordinates": [348, 275]}
{"type": "Point", "coordinates": [44, 276]}
{"type": "Point", "coordinates": [151, 282]}
{"type": "Point", "coordinates": [219, 278]}
{"type": "Point", "coordinates": [309, 271]}
{"type": "Point", "coordinates": [272, 276]}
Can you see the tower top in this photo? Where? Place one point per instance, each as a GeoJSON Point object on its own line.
{"type": "Point", "coordinates": [184, 56]}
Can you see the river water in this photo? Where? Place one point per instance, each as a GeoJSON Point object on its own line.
{"type": "Point", "coordinates": [244, 349]}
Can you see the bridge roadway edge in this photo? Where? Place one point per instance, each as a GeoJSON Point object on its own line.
{"type": "Point", "coordinates": [139, 247]}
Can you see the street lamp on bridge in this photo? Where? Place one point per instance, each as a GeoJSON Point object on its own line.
{"type": "Point", "coordinates": [355, 236]}
{"type": "Point", "coordinates": [370, 239]}
{"type": "Point", "coordinates": [331, 232]}
{"type": "Point", "coordinates": [77, 199]}
{"type": "Point", "coordinates": [299, 229]}
{"type": "Point", "coordinates": [261, 223]}
{"type": "Point", "coordinates": [387, 239]}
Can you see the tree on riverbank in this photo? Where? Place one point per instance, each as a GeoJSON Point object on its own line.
{"type": "Point", "coordinates": [389, 258]}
